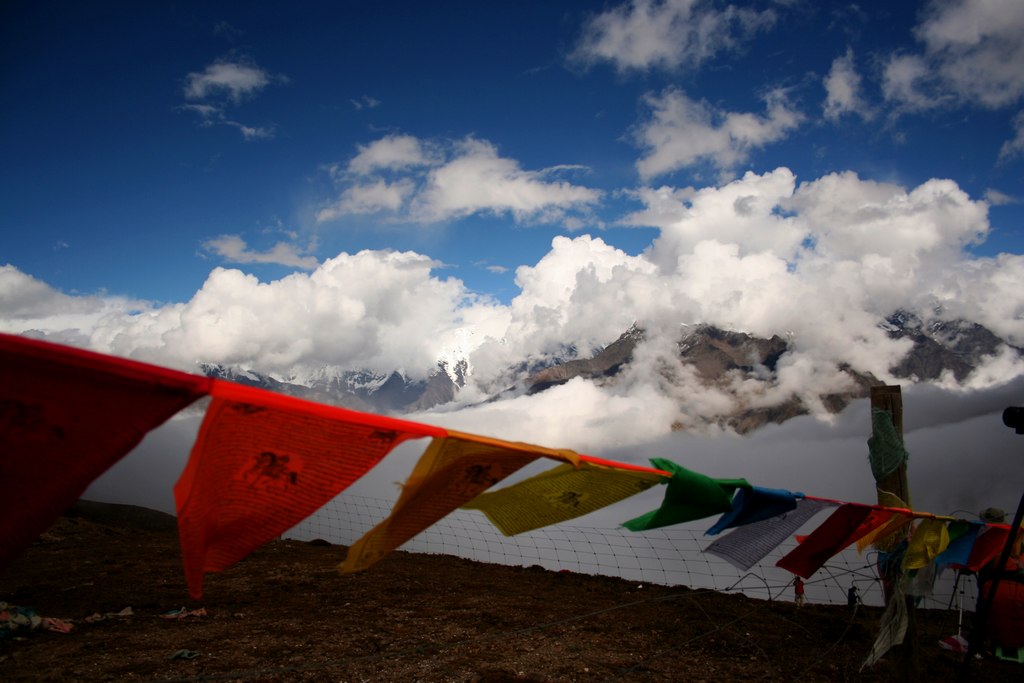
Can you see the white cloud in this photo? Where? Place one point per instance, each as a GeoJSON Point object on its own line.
{"type": "Point", "coordinates": [30, 306]}
{"type": "Point", "coordinates": [369, 198]}
{"type": "Point", "coordinates": [906, 81]}
{"type": "Point", "coordinates": [849, 218]}
{"type": "Point", "coordinates": [490, 267]}
{"type": "Point", "coordinates": [476, 180]}
{"type": "Point", "coordinates": [252, 132]}
{"type": "Point", "coordinates": [1014, 146]}
{"type": "Point", "coordinates": [848, 249]}
{"type": "Point", "coordinates": [741, 212]}
{"type": "Point", "coordinates": [374, 310]}
{"type": "Point", "coordinates": [682, 132]}
{"type": "Point", "coordinates": [583, 292]}
{"type": "Point", "coordinates": [817, 263]}
{"type": "Point", "coordinates": [843, 90]}
{"type": "Point", "coordinates": [233, 80]}
{"type": "Point", "coordinates": [996, 198]}
{"type": "Point", "coordinates": [987, 291]}
{"type": "Point", "coordinates": [224, 84]}
{"type": "Point", "coordinates": [973, 53]}
{"type": "Point", "coordinates": [207, 112]}
{"type": "Point", "coordinates": [365, 102]}
{"type": "Point", "coordinates": [599, 419]}
{"type": "Point", "coordinates": [979, 48]}
{"type": "Point", "coordinates": [233, 249]}
{"type": "Point", "coordinates": [24, 297]}
{"type": "Point", "coordinates": [210, 116]}
{"type": "Point", "coordinates": [645, 34]}
{"type": "Point", "coordinates": [432, 182]}
{"type": "Point", "coordinates": [394, 152]}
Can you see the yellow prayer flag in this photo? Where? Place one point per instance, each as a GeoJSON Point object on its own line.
{"type": "Point", "coordinates": [890, 500]}
{"type": "Point", "coordinates": [560, 494]}
{"type": "Point", "coordinates": [897, 532]}
{"type": "Point", "coordinates": [451, 472]}
{"type": "Point", "coordinates": [930, 538]}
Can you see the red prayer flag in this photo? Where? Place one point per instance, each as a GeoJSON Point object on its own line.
{"type": "Point", "coordinates": [844, 526]}
{"type": "Point", "coordinates": [66, 416]}
{"type": "Point", "coordinates": [263, 462]}
{"type": "Point", "coordinates": [987, 547]}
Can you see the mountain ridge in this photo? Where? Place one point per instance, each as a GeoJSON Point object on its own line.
{"type": "Point", "coordinates": [718, 360]}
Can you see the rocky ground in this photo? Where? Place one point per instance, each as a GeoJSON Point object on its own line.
{"type": "Point", "coordinates": [285, 614]}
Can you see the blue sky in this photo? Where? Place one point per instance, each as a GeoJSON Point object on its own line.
{"type": "Point", "coordinates": [380, 185]}
{"type": "Point", "coordinates": [113, 179]}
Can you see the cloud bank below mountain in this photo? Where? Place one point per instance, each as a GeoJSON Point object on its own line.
{"type": "Point", "coordinates": [818, 263]}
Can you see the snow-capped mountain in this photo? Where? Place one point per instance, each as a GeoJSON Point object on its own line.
{"type": "Point", "coordinates": [745, 368]}
{"type": "Point", "coordinates": [940, 346]}
{"type": "Point", "coordinates": [358, 389]}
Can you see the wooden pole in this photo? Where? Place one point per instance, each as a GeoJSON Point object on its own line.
{"type": "Point", "coordinates": [890, 399]}
{"type": "Point", "coordinates": [906, 656]}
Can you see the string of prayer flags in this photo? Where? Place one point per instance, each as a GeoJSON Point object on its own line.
{"type": "Point", "coordinates": [747, 545]}
{"type": "Point", "coordinates": [754, 504]}
{"type": "Point", "coordinates": [449, 474]}
{"type": "Point", "coordinates": [929, 539]}
{"type": "Point", "coordinates": [562, 493]}
{"type": "Point", "coordinates": [262, 463]}
{"type": "Point", "coordinates": [688, 496]}
{"type": "Point", "coordinates": [843, 527]}
{"type": "Point", "coordinates": [66, 416]}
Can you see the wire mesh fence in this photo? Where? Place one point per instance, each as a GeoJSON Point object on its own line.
{"type": "Point", "coordinates": [672, 556]}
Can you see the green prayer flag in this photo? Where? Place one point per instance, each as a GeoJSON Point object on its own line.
{"type": "Point", "coordinates": [689, 496]}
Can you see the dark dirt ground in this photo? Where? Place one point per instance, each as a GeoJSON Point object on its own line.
{"type": "Point", "coordinates": [286, 614]}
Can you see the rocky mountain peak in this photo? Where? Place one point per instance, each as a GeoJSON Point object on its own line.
{"type": "Point", "coordinates": [940, 346]}
{"type": "Point", "coordinates": [721, 360]}
{"type": "Point", "coordinates": [715, 352]}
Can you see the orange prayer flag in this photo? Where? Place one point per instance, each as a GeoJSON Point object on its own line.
{"type": "Point", "coordinates": [450, 473]}
{"type": "Point", "coordinates": [66, 416]}
{"type": "Point", "coordinates": [263, 462]}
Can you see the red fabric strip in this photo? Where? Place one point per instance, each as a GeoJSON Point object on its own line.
{"type": "Point", "coordinates": [987, 547]}
{"type": "Point", "coordinates": [844, 526]}
{"type": "Point", "coordinates": [262, 463]}
{"type": "Point", "coordinates": [66, 416]}
{"type": "Point", "coordinates": [623, 465]}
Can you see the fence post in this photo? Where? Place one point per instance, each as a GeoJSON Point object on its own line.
{"type": "Point", "coordinates": [906, 658]}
